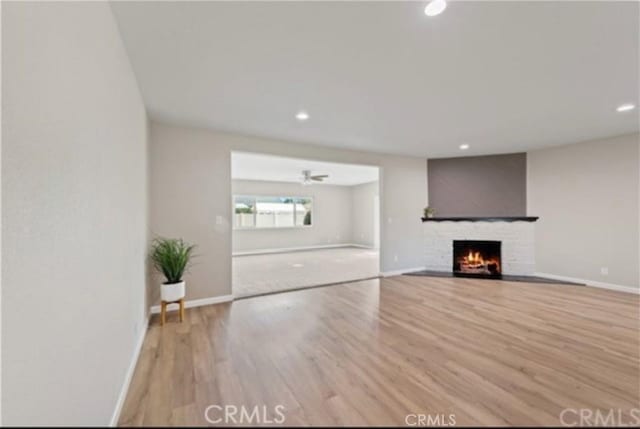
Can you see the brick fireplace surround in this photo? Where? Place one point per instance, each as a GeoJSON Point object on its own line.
{"type": "Point", "coordinates": [517, 235]}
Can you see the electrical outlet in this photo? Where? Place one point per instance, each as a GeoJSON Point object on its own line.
{"type": "Point", "coordinates": [604, 271]}
{"type": "Point", "coordinates": [219, 220]}
{"type": "Point", "coordinates": [395, 258]}
{"type": "Point", "coordinates": [389, 220]}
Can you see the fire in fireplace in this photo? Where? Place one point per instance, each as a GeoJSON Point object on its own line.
{"type": "Point", "coordinates": [475, 258]}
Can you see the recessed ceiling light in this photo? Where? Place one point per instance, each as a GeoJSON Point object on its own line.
{"type": "Point", "coordinates": [625, 107]}
{"type": "Point", "coordinates": [435, 7]}
{"type": "Point", "coordinates": [302, 115]}
{"type": "Point", "coordinates": [464, 146]}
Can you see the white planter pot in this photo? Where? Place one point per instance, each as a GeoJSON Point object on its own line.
{"type": "Point", "coordinates": [172, 292]}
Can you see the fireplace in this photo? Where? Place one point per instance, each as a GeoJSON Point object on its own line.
{"type": "Point", "coordinates": [475, 258]}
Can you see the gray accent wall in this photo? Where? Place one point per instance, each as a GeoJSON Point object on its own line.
{"type": "Point", "coordinates": [493, 185]}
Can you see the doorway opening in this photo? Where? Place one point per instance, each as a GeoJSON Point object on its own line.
{"type": "Point", "coordinates": [300, 223]}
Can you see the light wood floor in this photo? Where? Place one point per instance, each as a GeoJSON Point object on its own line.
{"type": "Point", "coordinates": [369, 353]}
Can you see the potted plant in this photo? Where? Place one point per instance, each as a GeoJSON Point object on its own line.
{"type": "Point", "coordinates": [171, 257]}
{"type": "Point", "coordinates": [429, 211]}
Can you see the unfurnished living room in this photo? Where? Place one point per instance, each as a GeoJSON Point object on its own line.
{"type": "Point", "coordinates": [320, 213]}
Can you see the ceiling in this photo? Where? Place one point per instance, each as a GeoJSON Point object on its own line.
{"type": "Point", "coordinates": [382, 76]}
{"type": "Point", "coordinates": [253, 166]}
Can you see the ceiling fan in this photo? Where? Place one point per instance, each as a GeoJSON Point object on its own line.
{"type": "Point", "coordinates": [308, 178]}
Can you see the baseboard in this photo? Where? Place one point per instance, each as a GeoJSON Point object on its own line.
{"type": "Point", "coordinates": [362, 246]}
{"type": "Point", "coordinates": [298, 249]}
{"type": "Point", "coordinates": [138, 348]}
{"type": "Point", "coordinates": [197, 303]}
{"type": "Point", "coordinates": [129, 375]}
{"type": "Point", "coordinates": [591, 283]}
{"type": "Point", "coordinates": [401, 272]}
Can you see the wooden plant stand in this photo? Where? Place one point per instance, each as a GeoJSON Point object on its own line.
{"type": "Point", "coordinates": [163, 310]}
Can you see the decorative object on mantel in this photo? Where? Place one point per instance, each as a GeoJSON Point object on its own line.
{"type": "Point", "coordinates": [429, 212]}
{"type": "Point", "coordinates": [171, 257]}
{"type": "Point", "coordinates": [482, 219]}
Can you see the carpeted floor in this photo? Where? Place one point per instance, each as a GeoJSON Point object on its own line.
{"type": "Point", "coordinates": [274, 272]}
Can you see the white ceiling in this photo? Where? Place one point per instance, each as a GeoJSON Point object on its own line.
{"type": "Point", "coordinates": [253, 166]}
{"type": "Point", "coordinates": [381, 76]}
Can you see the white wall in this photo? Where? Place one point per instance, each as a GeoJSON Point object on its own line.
{"type": "Point", "coordinates": [586, 195]}
{"type": "Point", "coordinates": [0, 236]}
{"type": "Point", "coordinates": [74, 213]}
{"type": "Point", "coordinates": [331, 217]}
{"type": "Point", "coordinates": [191, 198]}
{"type": "Point", "coordinates": [363, 221]}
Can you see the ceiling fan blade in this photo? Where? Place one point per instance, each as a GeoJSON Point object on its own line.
{"type": "Point", "coordinates": [320, 176]}
{"type": "Point", "coordinates": [317, 179]}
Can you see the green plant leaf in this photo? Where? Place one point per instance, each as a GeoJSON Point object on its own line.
{"type": "Point", "coordinates": [172, 257]}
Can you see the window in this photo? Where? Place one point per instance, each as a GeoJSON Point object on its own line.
{"type": "Point", "coordinates": [271, 212]}
{"type": "Point", "coordinates": [244, 212]}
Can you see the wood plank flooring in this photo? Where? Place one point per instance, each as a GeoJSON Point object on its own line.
{"type": "Point", "coordinates": [372, 352]}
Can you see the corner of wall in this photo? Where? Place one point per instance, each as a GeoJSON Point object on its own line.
{"type": "Point", "coordinates": [527, 185]}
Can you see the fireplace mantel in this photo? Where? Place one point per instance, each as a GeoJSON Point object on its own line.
{"type": "Point", "coordinates": [482, 219]}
